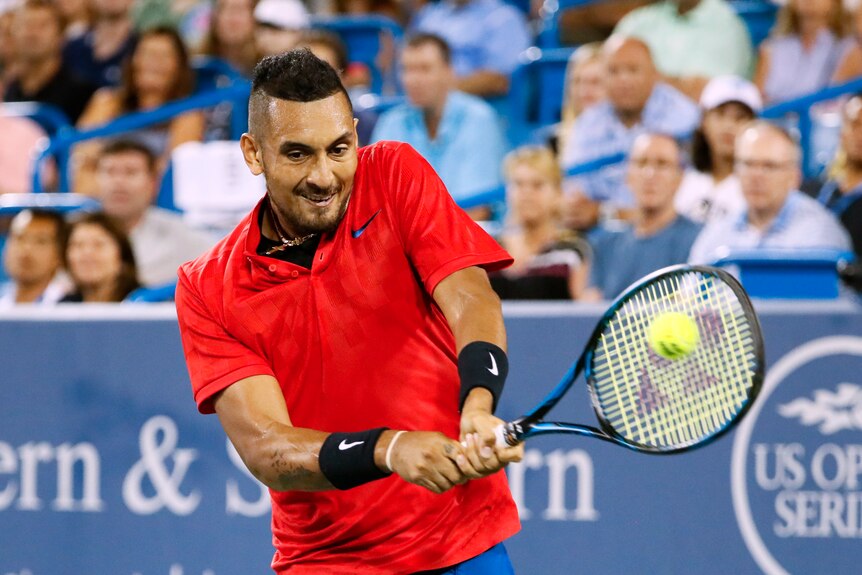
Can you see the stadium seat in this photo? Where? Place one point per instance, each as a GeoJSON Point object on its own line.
{"type": "Point", "coordinates": [788, 274]}
{"type": "Point", "coordinates": [50, 118]}
{"type": "Point", "coordinates": [759, 16]}
{"type": "Point", "coordinates": [549, 30]}
{"type": "Point", "coordinates": [153, 294]}
{"type": "Point", "coordinates": [212, 185]}
{"type": "Point", "coordinates": [212, 73]}
{"type": "Point", "coordinates": [363, 36]}
{"type": "Point", "coordinates": [536, 91]}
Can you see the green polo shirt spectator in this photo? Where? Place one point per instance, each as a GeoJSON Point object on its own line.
{"type": "Point", "coordinates": [705, 38]}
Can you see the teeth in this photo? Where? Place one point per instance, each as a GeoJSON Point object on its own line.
{"type": "Point", "coordinates": [321, 202]}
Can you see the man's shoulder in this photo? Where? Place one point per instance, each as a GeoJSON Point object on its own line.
{"type": "Point", "coordinates": [686, 225]}
{"type": "Point", "coordinates": [473, 106]}
{"type": "Point", "coordinates": [208, 269]}
{"type": "Point", "coordinates": [384, 151]}
{"type": "Point", "coordinates": [595, 117]}
{"type": "Point", "coordinates": [642, 19]}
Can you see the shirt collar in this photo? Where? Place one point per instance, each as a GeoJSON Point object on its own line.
{"type": "Point", "coordinates": [697, 13]}
{"type": "Point", "coordinates": [781, 221]}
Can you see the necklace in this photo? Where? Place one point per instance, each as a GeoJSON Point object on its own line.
{"type": "Point", "coordinates": [285, 242]}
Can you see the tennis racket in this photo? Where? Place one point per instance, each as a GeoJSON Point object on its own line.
{"type": "Point", "coordinates": [645, 401]}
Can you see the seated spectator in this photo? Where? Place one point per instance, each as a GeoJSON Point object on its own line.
{"type": "Point", "coordinates": [851, 66]}
{"type": "Point", "coordinates": [98, 55]}
{"type": "Point", "coordinates": [584, 87]}
{"type": "Point", "coordinates": [711, 190]}
{"type": "Point", "coordinates": [99, 260]}
{"type": "Point", "coordinates": [157, 73]}
{"type": "Point", "coordinates": [692, 41]}
{"type": "Point", "coordinates": [231, 34]}
{"type": "Point", "coordinates": [550, 262]}
{"type": "Point", "coordinates": [777, 215]}
{"type": "Point", "coordinates": [8, 51]}
{"type": "Point", "coordinates": [657, 236]}
{"type": "Point", "coordinates": [33, 259]}
{"type": "Point", "coordinates": [806, 49]}
{"type": "Point", "coordinates": [128, 182]}
{"type": "Point", "coordinates": [595, 21]}
{"type": "Point", "coordinates": [842, 194]}
{"type": "Point", "coordinates": [458, 134]}
{"type": "Point", "coordinates": [328, 47]}
{"type": "Point", "coordinates": [76, 17]}
{"type": "Point", "coordinates": [41, 76]}
{"type": "Point", "coordinates": [389, 8]}
{"type": "Point", "coordinates": [486, 38]}
{"type": "Point", "coordinates": [637, 103]}
{"type": "Point", "coordinates": [279, 26]}
{"type": "Point", "coordinates": [19, 141]}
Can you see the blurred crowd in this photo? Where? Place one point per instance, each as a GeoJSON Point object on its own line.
{"type": "Point", "coordinates": [672, 87]}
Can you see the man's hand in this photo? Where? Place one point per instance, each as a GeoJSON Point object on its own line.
{"type": "Point", "coordinates": [482, 456]}
{"type": "Point", "coordinates": [428, 459]}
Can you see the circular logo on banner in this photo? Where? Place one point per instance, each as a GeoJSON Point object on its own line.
{"type": "Point", "coordinates": [796, 469]}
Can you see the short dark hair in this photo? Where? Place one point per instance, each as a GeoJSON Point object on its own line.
{"type": "Point", "coordinates": [701, 153]}
{"type": "Point", "coordinates": [127, 281]}
{"type": "Point", "coordinates": [295, 76]}
{"type": "Point", "coordinates": [52, 216]}
{"type": "Point", "coordinates": [421, 39]}
{"type": "Point", "coordinates": [127, 145]}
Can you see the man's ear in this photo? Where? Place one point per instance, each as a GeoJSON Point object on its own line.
{"type": "Point", "coordinates": [251, 153]}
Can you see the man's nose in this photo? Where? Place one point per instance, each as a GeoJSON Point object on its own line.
{"type": "Point", "coordinates": [321, 174]}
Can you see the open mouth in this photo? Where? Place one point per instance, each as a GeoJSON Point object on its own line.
{"type": "Point", "coordinates": [320, 202]}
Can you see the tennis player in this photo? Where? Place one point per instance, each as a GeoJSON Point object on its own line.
{"type": "Point", "coordinates": [347, 336]}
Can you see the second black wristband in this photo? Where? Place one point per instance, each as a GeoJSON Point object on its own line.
{"type": "Point", "coordinates": [482, 364]}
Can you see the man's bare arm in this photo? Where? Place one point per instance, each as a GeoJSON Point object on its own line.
{"type": "Point", "coordinates": [286, 458]}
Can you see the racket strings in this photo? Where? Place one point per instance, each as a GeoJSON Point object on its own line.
{"type": "Point", "coordinates": [658, 402]}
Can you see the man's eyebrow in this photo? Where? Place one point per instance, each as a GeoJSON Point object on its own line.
{"type": "Point", "coordinates": [289, 145]}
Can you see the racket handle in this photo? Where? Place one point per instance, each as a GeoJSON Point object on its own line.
{"type": "Point", "coordinates": [505, 435]}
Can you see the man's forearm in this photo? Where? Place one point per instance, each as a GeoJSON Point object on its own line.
{"type": "Point", "coordinates": [286, 458]}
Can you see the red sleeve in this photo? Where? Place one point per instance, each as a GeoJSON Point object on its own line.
{"type": "Point", "coordinates": [214, 358]}
{"type": "Point", "coordinates": [439, 237]}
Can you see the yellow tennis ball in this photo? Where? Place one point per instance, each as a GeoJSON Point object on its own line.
{"type": "Point", "coordinates": [673, 335]}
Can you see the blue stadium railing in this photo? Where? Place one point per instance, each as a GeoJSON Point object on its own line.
{"type": "Point", "coordinates": [788, 274]}
{"type": "Point", "coordinates": [364, 37]}
{"type": "Point", "coordinates": [236, 93]}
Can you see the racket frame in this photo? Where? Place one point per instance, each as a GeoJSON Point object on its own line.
{"type": "Point", "coordinates": [532, 424]}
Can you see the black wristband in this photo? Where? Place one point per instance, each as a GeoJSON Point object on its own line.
{"type": "Point", "coordinates": [482, 364]}
{"type": "Point", "coordinates": [347, 459]}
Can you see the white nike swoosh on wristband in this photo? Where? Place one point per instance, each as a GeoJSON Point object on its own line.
{"type": "Point", "coordinates": [493, 368]}
{"type": "Point", "coordinates": [344, 445]}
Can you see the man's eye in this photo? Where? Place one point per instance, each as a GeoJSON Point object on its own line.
{"type": "Point", "coordinates": [295, 155]}
{"type": "Point", "coordinates": [340, 150]}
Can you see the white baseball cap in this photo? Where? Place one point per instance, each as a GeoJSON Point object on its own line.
{"type": "Point", "coordinates": [284, 14]}
{"type": "Point", "coordinates": [723, 89]}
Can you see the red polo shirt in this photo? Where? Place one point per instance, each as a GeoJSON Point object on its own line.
{"type": "Point", "coordinates": [356, 342]}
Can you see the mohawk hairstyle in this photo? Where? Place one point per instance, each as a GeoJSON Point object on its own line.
{"type": "Point", "coordinates": [296, 76]}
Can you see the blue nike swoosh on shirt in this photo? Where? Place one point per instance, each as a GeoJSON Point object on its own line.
{"type": "Point", "coordinates": [358, 232]}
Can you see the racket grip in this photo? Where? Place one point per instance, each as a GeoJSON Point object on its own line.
{"type": "Point", "coordinates": [504, 435]}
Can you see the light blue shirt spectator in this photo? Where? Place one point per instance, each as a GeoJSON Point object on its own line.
{"type": "Point", "coordinates": [468, 150]}
{"type": "Point", "coordinates": [709, 40]}
{"type": "Point", "coordinates": [621, 257]}
{"type": "Point", "coordinates": [482, 34]}
{"type": "Point", "coordinates": [599, 133]}
{"type": "Point", "coordinates": [795, 71]}
{"type": "Point", "coordinates": [801, 224]}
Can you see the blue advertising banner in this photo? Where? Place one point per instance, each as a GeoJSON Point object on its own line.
{"type": "Point", "coordinates": [106, 467]}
